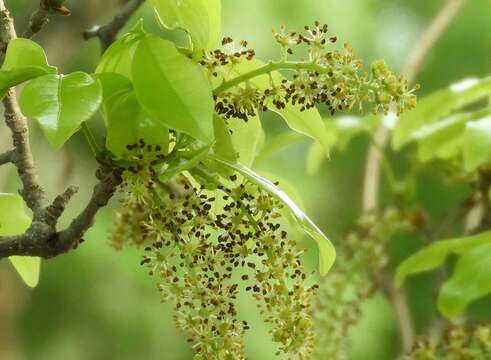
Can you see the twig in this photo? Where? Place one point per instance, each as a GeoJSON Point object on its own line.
{"type": "Point", "coordinates": [36, 22]}
{"type": "Point", "coordinates": [107, 33]}
{"type": "Point", "coordinates": [6, 157]}
{"type": "Point", "coordinates": [41, 17]}
{"type": "Point", "coordinates": [371, 188]}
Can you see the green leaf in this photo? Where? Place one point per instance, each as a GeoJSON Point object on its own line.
{"type": "Point", "coordinates": [223, 147]}
{"type": "Point", "coordinates": [476, 143]}
{"type": "Point", "coordinates": [470, 280]}
{"type": "Point", "coordinates": [200, 18]}
{"type": "Point", "coordinates": [185, 163]}
{"type": "Point", "coordinates": [113, 84]}
{"type": "Point", "coordinates": [435, 254]}
{"type": "Point", "coordinates": [61, 103]}
{"type": "Point", "coordinates": [315, 158]}
{"type": "Point", "coordinates": [308, 122]}
{"type": "Point", "coordinates": [28, 268]}
{"type": "Point", "coordinates": [118, 58]}
{"type": "Point", "coordinates": [173, 89]}
{"type": "Point", "coordinates": [127, 123]}
{"type": "Point", "coordinates": [14, 221]}
{"type": "Point", "coordinates": [247, 138]}
{"type": "Point", "coordinates": [441, 139]}
{"type": "Point", "coordinates": [25, 60]}
{"type": "Point", "coordinates": [327, 253]}
{"type": "Point", "coordinates": [438, 105]}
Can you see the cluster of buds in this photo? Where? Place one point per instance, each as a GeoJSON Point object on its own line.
{"type": "Point", "coordinates": [457, 342]}
{"type": "Point", "coordinates": [332, 78]}
{"type": "Point", "coordinates": [354, 279]}
{"type": "Point", "coordinates": [217, 60]}
{"type": "Point", "coordinates": [209, 247]}
{"type": "Point", "coordinates": [138, 179]}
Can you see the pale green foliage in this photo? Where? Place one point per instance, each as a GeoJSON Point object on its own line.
{"type": "Point", "coordinates": [443, 130]}
{"type": "Point", "coordinates": [118, 58]}
{"type": "Point", "coordinates": [128, 122]}
{"type": "Point", "coordinates": [173, 88]}
{"type": "Point", "coordinates": [60, 104]}
{"type": "Point", "coordinates": [435, 254]}
{"type": "Point", "coordinates": [200, 18]}
{"type": "Point", "coordinates": [476, 143]}
{"type": "Point", "coordinates": [24, 60]}
{"type": "Point", "coordinates": [470, 278]}
{"type": "Point", "coordinates": [14, 221]}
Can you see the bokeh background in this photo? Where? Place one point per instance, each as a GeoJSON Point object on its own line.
{"type": "Point", "coordinates": [95, 303]}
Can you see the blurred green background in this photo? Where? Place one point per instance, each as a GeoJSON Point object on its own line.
{"type": "Point", "coordinates": [95, 303]}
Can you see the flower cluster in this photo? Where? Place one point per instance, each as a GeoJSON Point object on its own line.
{"type": "Point", "coordinates": [207, 247]}
{"type": "Point", "coordinates": [333, 78]}
{"type": "Point", "coordinates": [354, 279]}
{"type": "Point", "coordinates": [459, 342]}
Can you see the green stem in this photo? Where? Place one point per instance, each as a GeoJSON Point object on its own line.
{"type": "Point", "coordinates": [268, 68]}
{"type": "Point", "coordinates": [90, 139]}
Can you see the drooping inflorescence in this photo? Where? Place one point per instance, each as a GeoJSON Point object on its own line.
{"type": "Point", "coordinates": [354, 279]}
{"type": "Point", "coordinates": [206, 249]}
{"type": "Point", "coordinates": [334, 78]}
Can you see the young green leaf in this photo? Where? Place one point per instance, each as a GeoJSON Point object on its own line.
{"type": "Point", "coordinates": [327, 253]}
{"type": "Point", "coordinates": [308, 122]}
{"type": "Point", "coordinates": [113, 84]}
{"type": "Point", "coordinates": [470, 280]}
{"type": "Point", "coordinates": [435, 254]}
{"type": "Point", "coordinates": [28, 267]}
{"type": "Point", "coordinates": [25, 60]}
{"type": "Point", "coordinates": [315, 158]}
{"type": "Point", "coordinates": [200, 18]}
{"type": "Point", "coordinates": [441, 139]}
{"type": "Point", "coordinates": [173, 89]}
{"type": "Point", "coordinates": [223, 147]}
{"type": "Point", "coordinates": [247, 139]}
{"type": "Point", "coordinates": [127, 123]}
{"type": "Point", "coordinates": [61, 103]}
{"type": "Point", "coordinates": [14, 221]}
{"type": "Point", "coordinates": [119, 56]}
{"type": "Point", "coordinates": [437, 105]}
{"type": "Point", "coordinates": [476, 143]}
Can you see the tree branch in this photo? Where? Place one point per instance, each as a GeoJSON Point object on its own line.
{"type": "Point", "coordinates": [32, 191]}
{"type": "Point", "coordinates": [6, 157]}
{"type": "Point", "coordinates": [107, 33]}
{"type": "Point", "coordinates": [42, 238]}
